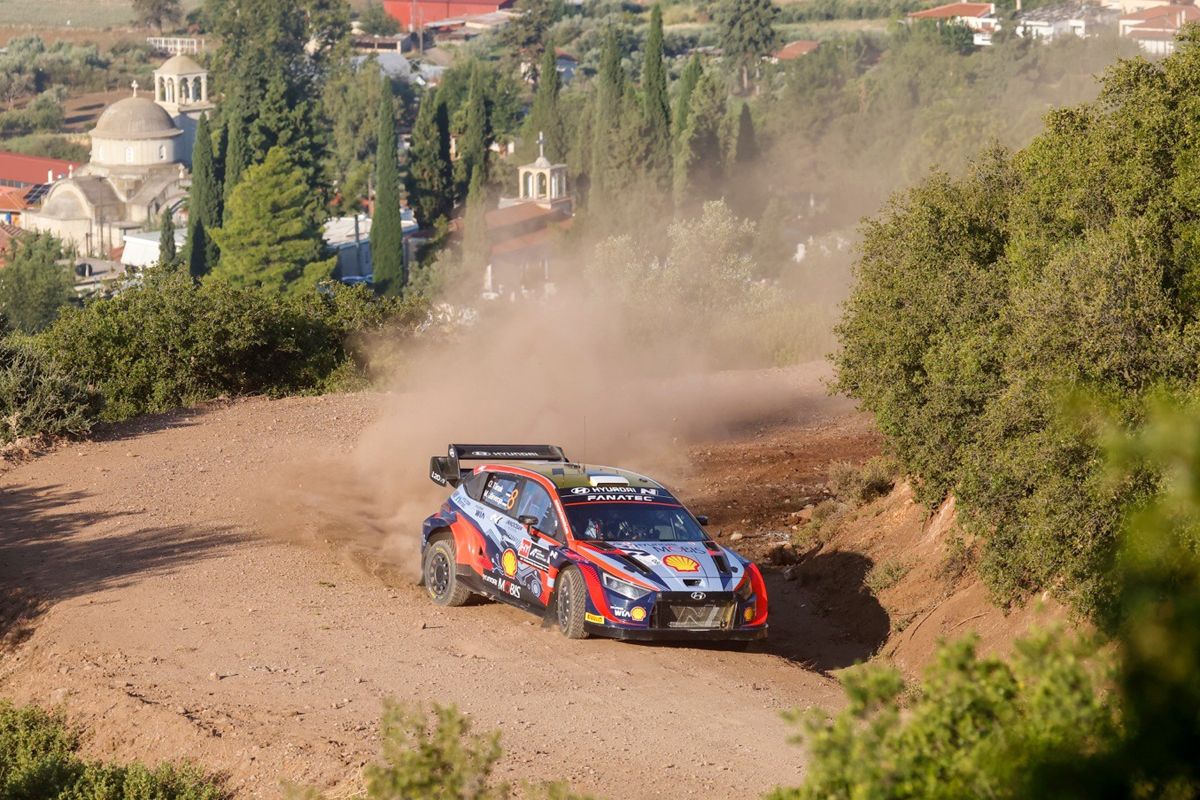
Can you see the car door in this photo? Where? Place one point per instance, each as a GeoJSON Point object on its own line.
{"type": "Point", "coordinates": [536, 552]}
{"type": "Point", "coordinates": [516, 579]}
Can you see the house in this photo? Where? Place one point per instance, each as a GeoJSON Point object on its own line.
{"type": "Point", "coordinates": [980, 18]}
{"type": "Point", "coordinates": [793, 50]}
{"type": "Point", "coordinates": [1155, 28]}
{"type": "Point", "coordinates": [566, 64]}
{"type": "Point", "coordinates": [414, 14]}
{"type": "Point", "coordinates": [8, 235]}
{"type": "Point", "coordinates": [1051, 22]}
{"type": "Point", "coordinates": [20, 171]}
{"type": "Point", "coordinates": [13, 204]}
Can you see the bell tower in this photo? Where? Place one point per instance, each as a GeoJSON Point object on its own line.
{"type": "Point", "coordinates": [544, 183]}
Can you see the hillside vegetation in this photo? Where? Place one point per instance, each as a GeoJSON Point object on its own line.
{"type": "Point", "coordinates": [1066, 269]}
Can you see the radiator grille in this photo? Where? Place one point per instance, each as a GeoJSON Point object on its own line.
{"type": "Point", "coordinates": [695, 616]}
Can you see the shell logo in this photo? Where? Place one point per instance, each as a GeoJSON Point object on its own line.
{"type": "Point", "coordinates": [637, 614]}
{"type": "Point", "coordinates": [681, 563]}
{"type": "Point", "coordinates": [508, 562]}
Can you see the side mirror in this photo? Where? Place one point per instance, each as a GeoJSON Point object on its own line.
{"type": "Point", "coordinates": [528, 519]}
{"type": "Point", "coordinates": [702, 519]}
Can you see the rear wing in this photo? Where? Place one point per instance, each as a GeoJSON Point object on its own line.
{"type": "Point", "coordinates": [447, 470]}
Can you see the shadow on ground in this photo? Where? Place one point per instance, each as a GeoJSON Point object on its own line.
{"type": "Point", "coordinates": [825, 618]}
{"type": "Point", "coordinates": [50, 551]}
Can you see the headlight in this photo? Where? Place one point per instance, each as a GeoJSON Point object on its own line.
{"type": "Point", "coordinates": [623, 588]}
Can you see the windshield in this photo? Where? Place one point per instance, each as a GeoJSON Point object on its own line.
{"type": "Point", "coordinates": [632, 522]}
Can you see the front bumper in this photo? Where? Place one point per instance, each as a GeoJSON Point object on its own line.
{"type": "Point", "coordinates": [677, 634]}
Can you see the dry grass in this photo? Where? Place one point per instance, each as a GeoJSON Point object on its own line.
{"type": "Point", "coordinates": [87, 14]}
{"type": "Point", "coordinates": [885, 574]}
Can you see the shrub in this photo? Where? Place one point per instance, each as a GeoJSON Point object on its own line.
{"type": "Point", "coordinates": [885, 574]}
{"type": "Point", "coordinates": [38, 758]}
{"type": "Point", "coordinates": [862, 484]}
{"type": "Point", "coordinates": [171, 343]}
{"type": "Point", "coordinates": [982, 301]}
{"type": "Point", "coordinates": [37, 397]}
{"type": "Point", "coordinates": [36, 284]}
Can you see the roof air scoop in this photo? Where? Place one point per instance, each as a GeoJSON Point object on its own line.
{"type": "Point", "coordinates": [608, 480]}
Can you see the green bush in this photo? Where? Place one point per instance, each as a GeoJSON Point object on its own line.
{"type": "Point", "coordinates": [1061, 718]}
{"type": "Point", "coordinates": [982, 301]}
{"type": "Point", "coordinates": [171, 342]}
{"type": "Point", "coordinates": [38, 759]}
{"type": "Point", "coordinates": [37, 397]}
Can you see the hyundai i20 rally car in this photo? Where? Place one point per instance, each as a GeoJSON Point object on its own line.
{"type": "Point", "coordinates": [604, 551]}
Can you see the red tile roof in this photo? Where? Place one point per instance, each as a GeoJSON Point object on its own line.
{"type": "Point", "coordinates": [952, 10]}
{"type": "Point", "coordinates": [28, 170]}
{"type": "Point", "coordinates": [801, 47]}
{"type": "Point", "coordinates": [1162, 19]}
{"type": "Point", "coordinates": [7, 234]}
{"type": "Point", "coordinates": [515, 215]}
{"type": "Point", "coordinates": [12, 199]}
{"type": "Point", "coordinates": [1161, 11]}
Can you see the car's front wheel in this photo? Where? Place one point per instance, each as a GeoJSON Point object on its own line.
{"type": "Point", "coordinates": [441, 576]}
{"type": "Point", "coordinates": [571, 604]}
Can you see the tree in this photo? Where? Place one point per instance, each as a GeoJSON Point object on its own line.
{"type": "Point", "coordinates": [607, 118]}
{"type": "Point", "coordinates": [157, 13]}
{"type": "Point", "coordinates": [376, 21]}
{"type": "Point", "coordinates": [236, 157]}
{"type": "Point", "coordinates": [429, 177]}
{"type": "Point", "coordinates": [699, 156]}
{"type": "Point", "coordinates": [35, 285]}
{"type": "Point", "coordinates": [656, 113]}
{"type": "Point", "coordinates": [271, 238]}
{"type": "Point", "coordinates": [476, 252]}
{"type": "Point", "coordinates": [473, 144]}
{"type": "Point", "coordinates": [204, 204]}
{"type": "Point", "coordinates": [387, 234]}
{"type": "Point", "coordinates": [683, 99]}
{"type": "Point", "coordinates": [746, 146]}
{"type": "Point", "coordinates": [545, 117]}
{"type": "Point", "coordinates": [746, 30]}
{"type": "Point", "coordinates": [167, 254]}
{"type": "Point", "coordinates": [525, 34]}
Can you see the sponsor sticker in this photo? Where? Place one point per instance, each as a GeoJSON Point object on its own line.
{"type": "Point", "coordinates": [638, 614]}
{"type": "Point", "coordinates": [508, 562]}
{"type": "Point", "coordinates": [681, 563]}
{"type": "Point", "coordinates": [590, 617]}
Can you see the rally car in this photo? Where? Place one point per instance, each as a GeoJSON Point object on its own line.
{"type": "Point", "coordinates": [602, 551]}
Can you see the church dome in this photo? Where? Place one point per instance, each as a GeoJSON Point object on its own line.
{"type": "Point", "coordinates": [179, 65]}
{"type": "Point", "coordinates": [135, 118]}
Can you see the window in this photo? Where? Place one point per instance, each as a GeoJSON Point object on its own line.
{"type": "Point", "coordinates": [633, 522]}
{"type": "Point", "coordinates": [536, 502]}
{"type": "Point", "coordinates": [162, 152]}
{"type": "Point", "coordinates": [128, 155]}
{"type": "Point", "coordinates": [503, 492]}
{"type": "Point", "coordinates": [474, 485]}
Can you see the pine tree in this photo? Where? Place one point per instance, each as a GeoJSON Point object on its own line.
{"type": "Point", "coordinates": [545, 117]}
{"type": "Point", "coordinates": [476, 252]}
{"type": "Point", "coordinates": [429, 179]}
{"type": "Point", "coordinates": [683, 100]}
{"type": "Point", "coordinates": [204, 204]}
{"type": "Point", "coordinates": [699, 158]}
{"type": "Point", "coordinates": [747, 33]}
{"type": "Point", "coordinates": [606, 122]}
{"type": "Point", "coordinates": [166, 240]}
{"type": "Point", "coordinates": [387, 235]}
{"type": "Point", "coordinates": [271, 238]}
{"type": "Point", "coordinates": [656, 115]}
{"type": "Point", "coordinates": [473, 144]}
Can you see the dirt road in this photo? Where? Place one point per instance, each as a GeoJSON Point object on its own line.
{"type": "Point", "coordinates": [143, 595]}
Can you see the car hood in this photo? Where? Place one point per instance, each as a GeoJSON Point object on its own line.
{"type": "Point", "coordinates": [678, 566]}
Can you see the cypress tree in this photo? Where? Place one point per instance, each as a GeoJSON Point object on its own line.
{"type": "Point", "coordinates": [656, 115]}
{"type": "Point", "coordinates": [473, 144]}
{"type": "Point", "coordinates": [166, 240]}
{"type": "Point", "coordinates": [746, 150]}
{"type": "Point", "coordinates": [204, 204]}
{"type": "Point", "coordinates": [545, 116]}
{"type": "Point", "coordinates": [387, 236]}
{"type": "Point", "coordinates": [698, 159]}
{"type": "Point", "coordinates": [683, 100]}
{"type": "Point", "coordinates": [237, 156]}
{"type": "Point", "coordinates": [429, 179]}
{"type": "Point", "coordinates": [606, 121]}
{"type": "Point", "coordinates": [476, 252]}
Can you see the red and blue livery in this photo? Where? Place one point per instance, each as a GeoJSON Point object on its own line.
{"type": "Point", "coordinates": [602, 551]}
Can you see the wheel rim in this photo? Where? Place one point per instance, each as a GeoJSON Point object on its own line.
{"type": "Point", "coordinates": [564, 606]}
{"type": "Point", "coordinates": [439, 574]}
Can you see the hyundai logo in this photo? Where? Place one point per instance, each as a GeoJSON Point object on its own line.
{"type": "Point", "coordinates": [698, 595]}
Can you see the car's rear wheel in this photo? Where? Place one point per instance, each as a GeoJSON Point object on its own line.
{"type": "Point", "coordinates": [571, 604]}
{"type": "Point", "coordinates": [441, 575]}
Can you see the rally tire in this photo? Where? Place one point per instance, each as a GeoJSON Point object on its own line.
{"type": "Point", "coordinates": [571, 604]}
{"type": "Point", "coordinates": [441, 575]}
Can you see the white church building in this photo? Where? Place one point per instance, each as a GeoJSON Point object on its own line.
{"type": "Point", "coordinates": [141, 150]}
